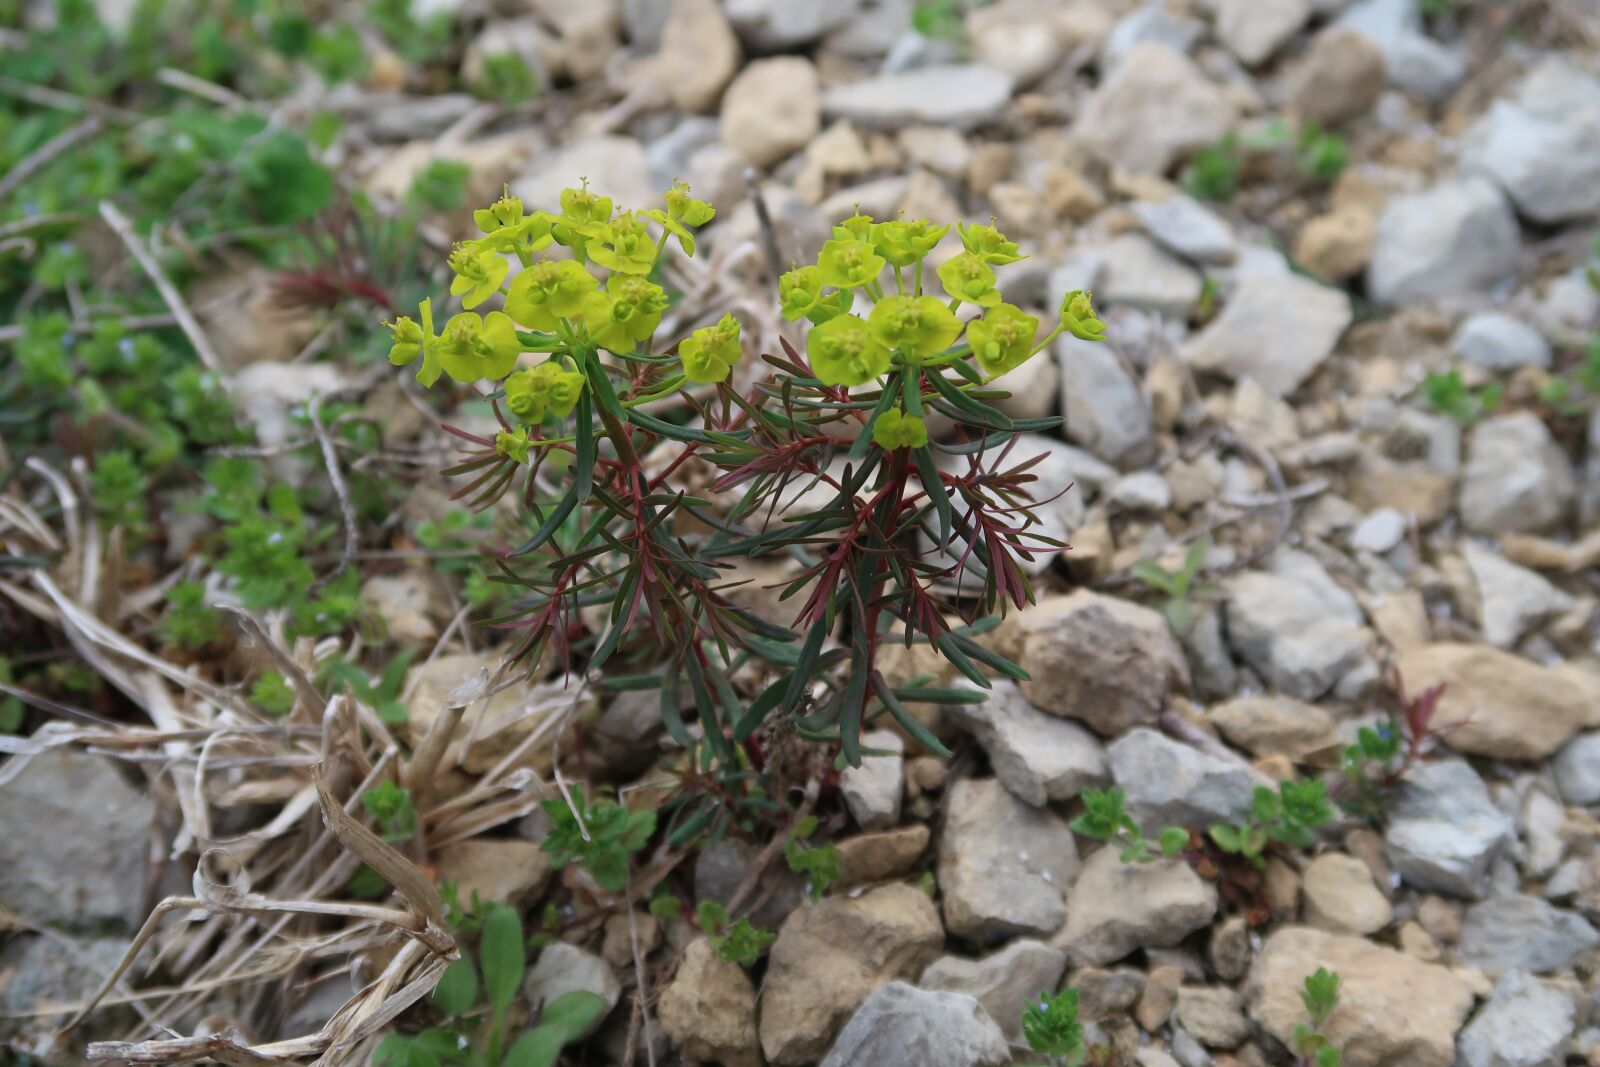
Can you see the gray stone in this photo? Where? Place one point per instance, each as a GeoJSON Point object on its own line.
{"type": "Point", "coordinates": [1577, 769]}
{"type": "Point", "coordinates": [1298, 629]}
{"type": "Point", "coordinates": [1170, 783]}
{"type": "Point", "coordinates": [1039, 758]}
{"type": "Point", "coordinates": [1499, 342]}
{"type": "Point", "coordinates": [76, 842]}
{"type": "Point", "coordinates": [1152, 22]}
{"type": "Point", "coordinates": [1520, 932]}
{"type": "Point", "coordinates": [1511, 599]}
{"type": "Point", "coordinates": [1105, 409]}
{"type": "Point", "coordinates": [1138, 274]}
{"type": "Point", "coordinates": [1275, 329]}
{"type": "Point", "coordinates": [1453, 238]}
{"type": "Point", "coordinates": [1141, 491]}
{"type": "Point", "coordinates": [872, 791]}
{"type": "Point", "coordinates": [1379, 531]}
{"type": "Point", "coordinates": [563, 968]}
{"type": "Point", "coordinates": [1005, 982]}
{"type": "Point", "coordinates": [1181, 225]}
{"type": "Point", "coordinates": [1254, 29]}
{"type": "Point", "coordinates": [1110, 663]}
{"type": "Point", "coordinates": [1525, 1024]}
{"type": "Point", "coordinates": [1213, 1015]}
{"type": "Point", "coordinates": [962, 96]}
{"type": "Point", "coordinates": [1543, 145]}
{"type": "Point", "coordinates": [1004, 867]}
{"type": "Point", "coordinates": [1415, 62]}
{"type": "Point", "coordinates": [1339, 79]}
{"type": "Point", "coordinates": [38, 971]}
{"type": "Point", "coordinates": [1517, 479]}
{"type": "Point", "coordinates": [900, 1023]}
{"type": "Point", "coordinates": [1444, 830]}
{"type": "Point", "coordinates": [1155, 108]}
{"type": "Point", "coordinates": [828, 959]}
{"type": "Point", "coordinates": [1117, 907]}
{"type": "Point", "coordinates": [776, 25]}
{"type": "Point", "coordinates": [721, 867]}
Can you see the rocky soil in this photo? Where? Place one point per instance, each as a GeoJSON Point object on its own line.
{"type": "Point", "coordinates": [1269, 388]}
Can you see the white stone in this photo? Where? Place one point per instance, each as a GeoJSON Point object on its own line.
{"type": "Point", "coordinates": [872, 791]}
{"type": "Point", "coordinates": [1525, 1024]}
{"type": "Point", "coordinates": [1154, 108]}
{"type": "Point", "coordinates": [1379, 531]}
{"type": "Point", "coordinates": [1453, 238]}
{"type": "Point", "coordinates": [1577, 769]}
{"type": "Point", "coordinates": [901, 1023]}
{"type": "Point", "coordinates": [1169, 783]}
{"type": "Point", "coordinates": [1142, 491]}
{"type": "Point", "coordinates": [961, 96]}
{"type": "Point", "coordinates": [1511, 599]}
{"type": "Point", "coordinates": [1499, 342]}
{"type": "Point", "coordinates": [1254, 29]}
{"type": "Point", "coordinates": [1039, 758]}
{"type": "Point", "coordinates": [1444, 830]}
{"type": "Point", "coordinates": [1517, 479]}
{"type": "Point", "coordinates": [1274, 329]}
{"type": "Point", "coordinates": [1543, 145]}
{"type": "Point", "coordinates": [1183, 226]}
{"type": "Point", "coordinates": [1105, 409]}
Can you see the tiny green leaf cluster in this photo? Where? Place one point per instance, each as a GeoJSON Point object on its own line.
{"type": "Point", "coordinates": [1320, 997]}
{"type": "Point", "coordinates": [476, 997]}
{"type": "Point", "coordinates": [736, 941]}
{"type": "Point", "coordinates": [390, 805]}
{"type": "Point", "coordinates": [1050, 1026]}
{"type": "Point", "coordinates": [1450, 395]}
{"type": "Point", "coordinates": [1289, 816]}
{"type": "Point", "coordinates": [1180, 587]}
{"type": "Point", "coordinates": [600, 836]}
{"type": "Point", "coordinates": [1105, 818]}
{"type": "Point", "coordinates": [818, 864]}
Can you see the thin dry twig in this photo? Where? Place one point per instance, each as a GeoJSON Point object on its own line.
{"type": "Point", "coordinates": [174, 300]}
{"type": "Point", "coordinates": [42, 156]}
{"type": "Point", "coordinates": [347, 511]}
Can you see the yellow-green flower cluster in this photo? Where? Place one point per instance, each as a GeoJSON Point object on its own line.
{"type": "Point", "coordinates": [909, 327]}
{"type": "Point", "coordinates": [592, 292]}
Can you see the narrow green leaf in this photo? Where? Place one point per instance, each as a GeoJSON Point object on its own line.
{"type": "Point", "coordinates": [908, 722]}
{"type": "Point", "coordinates": [501, 949]}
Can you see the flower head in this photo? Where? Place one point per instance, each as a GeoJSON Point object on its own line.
{"type": "Point", "coordinates": [968, 278]}
{"type": "Point", "coordinates": [844, 351]}
{"type": "Point", "coordinates": [542, 391]}
{"type": "Point", "coordinates": [479, 273]}
{"type": "Point", "coordinates": [904, 243]}
{"type": "Point", "coordinates": [623, 244]}
{"type": "Point", "coordinates": [1078, 316]}
{"type": "Point", "coordinates": [989, 244]}
{"type": "Point", "coordinates": [799, 291]}
{"type": "Point", "coordinates": [1002, 339]}
{"type": "Point", "coordinates": [581, 211]}
{"type": "Point", "coordinates": [683, 212]}
{"type": "Point", "coordinates": [917, 325]}
{"type": "Point", "coordinates": [411, 341]}
{"type": "Point", "coordinates": [503, 213]}
{"type": "Point", "coordinates": [709, 353]}
{"type": "Point", "coordinates": [895, 429]}
{"type": "Point", "coordinates": [473, 347]}
{"type": "Point", "coordinates": [548, 291]}
{"type": "Point", "coordinates": [627, 311]}
{"type": "Point", "coordinates": [513, 444]}
{"type": "Point", "coordinates": [846, 264]}
{"type": "Point", "coordinates": [857, 227]}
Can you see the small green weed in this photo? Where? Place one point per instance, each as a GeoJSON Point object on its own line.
{"type": "Point", "coordinates": [391, 806]}
{"type": "Point", "coordinates": [735, 941]}
{"type": "Point", "coordinates": [818, 864]}
{"type": "Point", "coordinates": [1105, 818]}
{"type": "Point", "coordinates": [1321, 997]}
{"type": "Point", "coordinates": [601, 837]}
{"type": "Point", "coordinates": [1287, 817]}
{"type": "Point", "coordinates": [1450, 396]}
{"type": "Point", "coordinates": [1180, 586]}
{"type": "Point", "coordinates": [1213, 173]}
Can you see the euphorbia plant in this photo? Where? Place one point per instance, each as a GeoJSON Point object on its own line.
{"type": "Point", "coordinates": [599, 416]}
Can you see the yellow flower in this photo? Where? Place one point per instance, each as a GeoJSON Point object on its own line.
{"type": "Point", "coordinates": [503, 213]}
{"type": "Point", "coordinates": [548, 389]}
{"type": "Point", "coordinates": [857, 227]}
{"type": "Point", "coordinates": [683, 212]}
{"type": "Point", "coordinates": [623, 244]}
{"type": "Point", "coordinates": [968, 278]}
{"type": "Point", "coordinates": [918, 325]}
{"type": "Point", "coordinates": [844, 351]}
{"type": "Point", "coordinates": [799, 291]}
{"type": "Point", "coordinates": [513, 444]}
{"type": "Point", "coordinates": [1002, 339]}
{"type": "Point", "coordinates": [1078, 316]}
{"type": "Point", "coordinates": [895, 429]}
{"type": "Point", "coordinates": [626, 312]}
{"type": "Point", "coordinates": [709, 353]}
{"type": "Point", "coordinates": [989, 244]}
{"type": "Point", "coordinates": [904, 243]}
{"type": "Point", "coordinates": [411, 341]}
{"type": "Point", "coordinates": [548, 291]}
{"type": "Point", "coordinates": [581, 211]}
{"type": "Point", "coordinates": [846, 264]}
{"type": "Point", "coordinates": [478, 274]}
{"type": "Point", "coordinates": [473, 347]}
